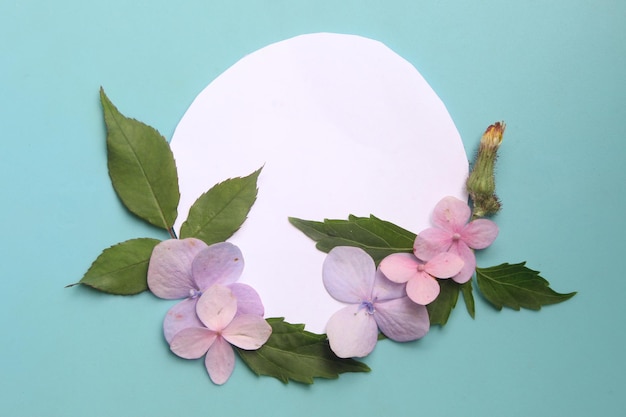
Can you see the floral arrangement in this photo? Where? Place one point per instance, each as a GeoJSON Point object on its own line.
{"type": "Point", "coordinates": [395, 283]}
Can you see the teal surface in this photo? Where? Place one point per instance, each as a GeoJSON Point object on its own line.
{"type": "Point", "coordinates": [554, 71]}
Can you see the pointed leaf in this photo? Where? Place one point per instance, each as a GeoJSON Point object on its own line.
{"type": "Point", "coordinates": [517, 286]}
{"type": "Point", "coordinates": [440, 309]}
{"type": "Point", "coordinates": [219, 213]}
{"type": "Point", "coordinates": [141, 167]}
{"type": "Point", "coordinates": [291, 353]}
{"type": "Point", "coordinates": [121, 269]}
{"type": "Point", "coordinates": [379, 238]}
{"type": "Point", "coordinates": [468, 297]}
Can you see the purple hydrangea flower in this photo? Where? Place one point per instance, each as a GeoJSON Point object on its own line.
{"type": "Point", "coordinates": [375, 302]}
{"type": "Point", "coordinates": [186, 268]}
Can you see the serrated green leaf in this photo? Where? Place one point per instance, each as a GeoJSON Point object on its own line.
{"type": "Point", "coordinates": [468, 297]}
{"type": "Point", "coordinates": [440, 309]}
{"type": "Point", "coordinates": [517, 286]}
{"type": "Point", "coordinates": [141, 167]}
{"type": "Point", "coordinates": [219, 213]}
{"type": "Point", "coordinates": [292, 353]}
{"type": "Point", "coordinates": [379, 238]}
{"type": "Point", "coordinates": [121, 269]}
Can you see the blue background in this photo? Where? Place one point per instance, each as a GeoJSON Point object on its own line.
{"type": "Point", "coordinates": [554, 71]}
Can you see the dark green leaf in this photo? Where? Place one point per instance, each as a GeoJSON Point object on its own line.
{"type": "Point", "coordinates": [141, 167]}
{"type": "Point", "coordinates": [440, 309]}
{"type": "Point", "coordinates": [219, 213]}
{"type": "Point", "coordinates": [468, 297]}
{"type": "Point", "coordinates": [377, 237]}
{"type": "Point", "coordinates": [516, 286]}
{"type": "Point", "coordinates": [121, 269]}
{"type": "Point", "coordinates": [291, 353]}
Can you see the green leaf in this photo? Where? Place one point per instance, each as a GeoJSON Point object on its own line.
{"type": "Point", "coordinates": [141, 167]}
{"type": "Point", "coordinates": [377, 237]}
{"type": "Point", "coordinates": [219, 213]}
{"type": "Point", "coordinates": [292, 353]}
{"type": "Point", "coordinates": [121, 269]}
{"type": "Point", "coordinates": [440, 309]}
{"type": "Point", "coordinates": [516, 286]}
{"type": "Point", "coordinates": [468, 297]}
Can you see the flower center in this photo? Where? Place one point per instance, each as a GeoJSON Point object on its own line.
{"type": "Point", "coordinates": [420, 267]}
{"type": "Point", "coordinates": [368, 306]}
{"type": "Point", "coordinates": [456, 236]}
{"type": "Point", "coordinates": [193, 293]}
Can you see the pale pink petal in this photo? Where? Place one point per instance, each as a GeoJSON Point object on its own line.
{"type": "Point", "coordinates": [248, 300]}
{"type": "Point", "coordinates": [444, 265]}
{"type": "Point", "coordinates": [179, 317]}
{"type": "Point", "coordinates": [169, 271]}
{"type": "Point", "coordinates": [348, 274]}
{"type": "Point", "coordinates": [385, 289]}
{"type": "Point", "coordinates": [422, 289]}
{"type": "Point", "coordinates": [352, 332]}
{"type": "Point", "coordinates": [399, 267]}
{"type": "Point", "coordinates": [193, 342]}
{"type": "Point", "coordinates": [431, 242]}
{"type": "Point", "coordinates": [247, 331]}
{"type": "Point", "coordinates": [401, 319]}
{"type": "Point", "coordinates": [216, 307]}
{"type": "Point", "coordinates": [451, 214]}
{"type": "Point", "coordinates": [479, 233]}
{"type": "Point", "coordinates": [220, 263]}
{"type": "Point", "coordinates": [469, 262]}
{"type": "Point", "coordinates": [220, 361]}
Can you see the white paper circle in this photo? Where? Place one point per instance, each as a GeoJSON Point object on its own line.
{"type": "Point", "coordinates": [342, 125]}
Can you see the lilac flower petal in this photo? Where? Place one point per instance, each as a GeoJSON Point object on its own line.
{"type": "Point", "coordinates": [399, 267]}
{"type": "Point", "coordinates": [169, 271]}
{"type": "Point", "coordinates": [193, 342]}
{"type": "Point", "coordinates": [216, 307]}
{"type": "Point", "coordinates": [431, 242]}
{"type": "Point", "coordinates": [444, 265]}
{"type": "Point", "coordinates": [247, 331]}
{"type": "Point", "coordinates": [451, 214]}
{"type": "Point", "coordinates": [469, 262]}
{"type": "Point", "coordinates": [248, 300]}
{"type": "Point", "coordinates": [220, 361]}
{"type": "Point", "coordinates": [352, 332]}
{"type": "Point", "coordinates": [220, 263]}
{"type": "Point", "coordinates": [348, 274]}
{"type": "Point", "coordinates": [385, 289]}
{"type": "Point", "coordinates": [402, 320]}
{"type": "Point", "coordinates": [480, 233]}
{"type": "Point", "coordinates": [422, 289]}
{"type": "Point", "coordinates": [179, 317]}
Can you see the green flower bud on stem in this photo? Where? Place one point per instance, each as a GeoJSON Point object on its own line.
{"type": "Point", "coordinates": [481, 184]}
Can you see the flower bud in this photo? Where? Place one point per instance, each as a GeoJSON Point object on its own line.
{"type": "Point", "coordinates": [481, 184]}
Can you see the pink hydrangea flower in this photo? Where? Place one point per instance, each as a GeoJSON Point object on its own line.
{"type": "Point", "coordinates": [420, 277]}
{"type": "Point", "coordinates": [452, 233]}
{"type": "Point", "coordinates": [186, 268]}
{"type": "Point", "coordinates": [220, 327]}
{"type": "Point", "coordinates": [350, 276]}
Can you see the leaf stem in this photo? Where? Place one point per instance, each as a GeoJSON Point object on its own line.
{"type": "Point", "coordinates": [172, 233]}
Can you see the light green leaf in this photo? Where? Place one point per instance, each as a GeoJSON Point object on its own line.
{"type": "Point", "coordinates": [516, 286]}
{"type": "Point", "coordinates": [141, 167]}
{"type": "Point", "coordinates": [121, 269]}
{"type": "Point", "coordinates": [291, 353]}
{"type": "Point", "coordinates": [219, 213]}
{"type": "Point", "coordinates": [377, 237]}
